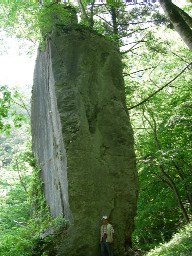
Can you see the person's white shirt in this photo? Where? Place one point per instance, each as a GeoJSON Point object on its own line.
{"type": "Point", "coordinates": [107, 229]}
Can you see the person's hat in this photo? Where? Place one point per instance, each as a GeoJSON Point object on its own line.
{"type": "Point", "coordinates": [104, 218]}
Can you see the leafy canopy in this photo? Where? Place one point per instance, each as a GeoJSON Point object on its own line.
{"type": "Point", "coordinates": [31, 20]}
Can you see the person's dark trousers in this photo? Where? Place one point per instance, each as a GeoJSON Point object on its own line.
{"type": "Point", "coordinates": [106, 249]}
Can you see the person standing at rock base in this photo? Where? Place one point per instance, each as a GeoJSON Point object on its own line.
{"type": "Point", "coordinates": [106, 239]}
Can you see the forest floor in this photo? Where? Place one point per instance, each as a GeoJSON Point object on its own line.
{"type": "Point", "coordinates": [179, 245]}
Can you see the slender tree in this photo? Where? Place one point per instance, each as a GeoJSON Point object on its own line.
{"type": "Point", "coordinates": [181, 21]}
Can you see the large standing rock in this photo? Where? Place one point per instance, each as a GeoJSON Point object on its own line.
{"type": "Point", "coordinates": [83, 139]}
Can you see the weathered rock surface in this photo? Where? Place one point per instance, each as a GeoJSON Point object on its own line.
{"type": "Point", "coordinates": [83, 139]}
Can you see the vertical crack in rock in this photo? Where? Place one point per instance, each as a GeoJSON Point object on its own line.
{"type": "Point", "coordinates": [83, 139]}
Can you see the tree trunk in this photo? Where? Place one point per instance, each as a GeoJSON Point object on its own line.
{"type": "Point", "coordinates": [180, 24]}
{"type": "Point", "coordinates": [114, 20]}
{"type": "Point", "coordinates": [169, 181]}
{"type": "Point", "coordinates": [165, 176]}
{"type": "Point", "coordinates": [187, 189]}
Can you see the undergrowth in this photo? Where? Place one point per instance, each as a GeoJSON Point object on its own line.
{"type": "Point", "coordinates": [179, 245]}
{"type": "Point", "coordinates": [24, 215]}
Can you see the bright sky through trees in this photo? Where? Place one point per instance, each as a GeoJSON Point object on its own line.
{"type": "Point", "coordinates": [16, 67]}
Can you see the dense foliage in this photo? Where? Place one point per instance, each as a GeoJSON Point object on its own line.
{"type": "Point", "coordinates": [162, 128]}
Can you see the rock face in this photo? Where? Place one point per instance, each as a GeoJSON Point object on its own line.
{"type": "Point", "coordinates": [83, 139]}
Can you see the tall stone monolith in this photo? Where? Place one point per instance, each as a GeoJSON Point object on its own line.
{"type": "Point", "coordinates": [83, 139]}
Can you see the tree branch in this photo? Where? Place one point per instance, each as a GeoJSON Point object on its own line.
{"type": "Point", "coordinates": [133, 46]}
{"type": "Point", "coordinates": [180, 57]}
{"type": "Point", "coordinates": [84, 11]}
{"type": "Point", "coordinates": [91, 14]}
{"type": "Point", "coordinates": [104, 20]}
{"type": "Point", "coordinates": [23, 105]}
{"type": "Point", "coordinates": [138, 22]}
{"type": "Point", "coordinates": [20, 177]}
{"type": "Point", "coordinates": [160, 89]}
{"type": "Point", "coordinates": [141, 70]}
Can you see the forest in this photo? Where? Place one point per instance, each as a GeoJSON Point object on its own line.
{"type": "Point", "coordinates": [154, 39]}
